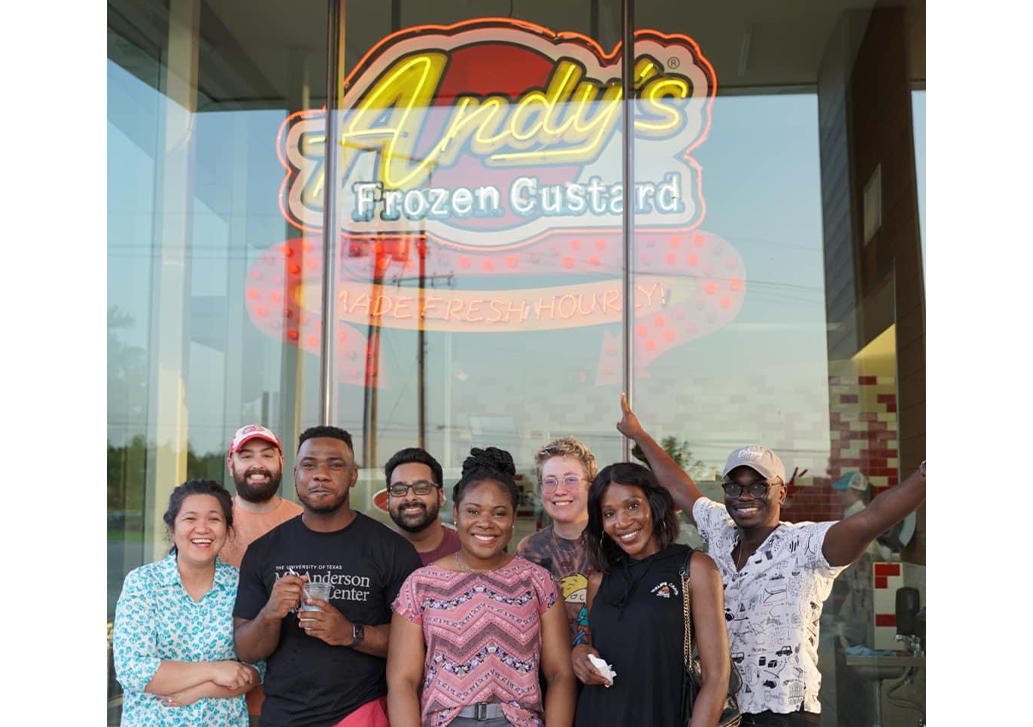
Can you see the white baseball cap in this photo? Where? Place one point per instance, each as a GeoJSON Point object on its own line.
{"type": "Point", "coordinates": [758, 458]}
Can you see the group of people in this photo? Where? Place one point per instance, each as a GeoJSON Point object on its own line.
{"type": "Point", "coordinates": [430, 625]}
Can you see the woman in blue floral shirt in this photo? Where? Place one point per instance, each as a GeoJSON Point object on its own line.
{"type": "Point", "coordinates": [173, 636]}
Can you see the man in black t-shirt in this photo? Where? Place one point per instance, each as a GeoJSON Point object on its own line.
{"type": "Point", "coordinates": [326, 665]}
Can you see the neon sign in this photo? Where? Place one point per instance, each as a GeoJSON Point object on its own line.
{"type": "Point", "coordinates": [489, 153]}
{"type": "Point", "coordinates": [533, 116]}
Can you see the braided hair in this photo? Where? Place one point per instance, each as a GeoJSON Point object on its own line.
{"type": "Point", "coordinates": [487, 464]}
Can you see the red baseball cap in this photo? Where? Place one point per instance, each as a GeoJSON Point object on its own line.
{"type": "Point", "coordinates": [253, 431]}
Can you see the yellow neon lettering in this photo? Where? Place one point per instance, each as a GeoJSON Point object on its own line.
{"type": "Point", "coordinates": [569, 121]}
{"type": "Point", "coordinates": [654, 97]}
{"type": "Point", "coordinates": [410, 85]}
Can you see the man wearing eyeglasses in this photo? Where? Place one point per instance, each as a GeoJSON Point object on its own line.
{"type": "Point", "coordinates": [415, 496]}
{"type": "Point", "coordinates": [776, 574]}
{"type": "Point", "coordinates": [566, 468]}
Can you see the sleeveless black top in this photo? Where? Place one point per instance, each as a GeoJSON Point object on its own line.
{"type": "Point", "coordinates": [637, 626]}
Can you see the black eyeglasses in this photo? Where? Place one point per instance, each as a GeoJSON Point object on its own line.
{"type": "Point", "coordinates": [400, 489]}
{"type": "Point", "coordinates": [757, 490]}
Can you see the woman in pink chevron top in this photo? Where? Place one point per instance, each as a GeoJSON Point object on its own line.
{"type": "Point", "coordinates": [471, 630]}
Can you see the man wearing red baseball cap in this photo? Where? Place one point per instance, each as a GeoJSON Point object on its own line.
{"type": "Point", "coordinates": [255, 462]}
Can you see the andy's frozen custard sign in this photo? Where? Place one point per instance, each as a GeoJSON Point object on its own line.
{"type": "Point", "coordinates": [493, 151]}
{"type": "Point", "coordinates": [506, 130]}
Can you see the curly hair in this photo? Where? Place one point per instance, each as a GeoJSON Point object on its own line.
{"type": "Point", "coordinates": [603, 551]}
{"type": "Point", "coordinates": [487, 464]}
{"type": "Point", "coordinates": [566, 447]}
{"type": "Point", "coordinates": [326, 431]}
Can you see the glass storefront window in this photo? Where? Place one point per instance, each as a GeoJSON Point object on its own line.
{"type": "Point", "coordinates": [797, 310]}
{"type": "Point", "coordinates": [196, 95]}
{"type": "Point", "coordinates": [477, 190]}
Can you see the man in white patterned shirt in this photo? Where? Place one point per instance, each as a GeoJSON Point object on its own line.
{"type": "Point", "coordinates": [776, 574]}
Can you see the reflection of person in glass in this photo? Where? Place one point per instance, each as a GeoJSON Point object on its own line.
{"type": "Point", "coordinates": [852, 599]}
{"type": "Point", "coordinates": [471, 630]}
{"type": "Point", "coordinates": [173, 634]}
{"type": "Point", "coordinates": [415, 496]}
{"type": "Point", "coordinates": [565, 468]}
{"type": "Point", "coordinates": [635, 610]}
{"type": "Point", "coordinates": [776, 574]}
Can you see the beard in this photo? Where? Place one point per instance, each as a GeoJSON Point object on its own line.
{"type": "Point", "coordinates": [415, 522]}
{"type": "Point", "coordinates": [259, 492]}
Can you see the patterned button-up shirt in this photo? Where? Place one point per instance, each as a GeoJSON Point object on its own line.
{"type": "Point", "coordinates": [772, 607]}
{"type": "Point", "coordinates": [156, 620]}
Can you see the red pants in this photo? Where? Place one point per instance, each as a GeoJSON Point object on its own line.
{"type": "Point", "coordinates": [371, 714]}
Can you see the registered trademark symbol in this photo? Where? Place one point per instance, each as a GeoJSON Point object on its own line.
{"type": "Point", "coordinates": [673, 63]}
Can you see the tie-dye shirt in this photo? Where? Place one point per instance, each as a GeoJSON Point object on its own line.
{"type": "Point", "coordinates": [570, 565]}
{"type": "Point", "coordinates": [156, 620]}
{"type": "Point", "coordinates": [483, 636]}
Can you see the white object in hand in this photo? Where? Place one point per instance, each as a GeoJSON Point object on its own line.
{"type": "Point", "coordinates": [605, 669]}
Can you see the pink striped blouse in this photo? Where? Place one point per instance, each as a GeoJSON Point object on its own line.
{"type": "Point", "coordinates": [483, 636]}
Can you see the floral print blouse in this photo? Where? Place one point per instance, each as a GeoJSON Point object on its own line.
{"type": "Point", "coordinates": [156, 620]}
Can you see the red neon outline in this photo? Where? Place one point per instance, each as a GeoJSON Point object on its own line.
{"type": "Point", "coordinates": [549, 35]}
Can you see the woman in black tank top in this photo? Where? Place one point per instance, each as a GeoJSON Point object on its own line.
{"type": "Point", "coordinates": [635, 610]}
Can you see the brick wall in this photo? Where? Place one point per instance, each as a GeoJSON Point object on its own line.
{"type": "Point", "coordinates": [862, 436]}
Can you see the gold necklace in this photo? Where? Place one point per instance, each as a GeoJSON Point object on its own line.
{"type": "Point", "coordinates": [738, 565]}
{"type": "Point", "coordinates": [463, 567]}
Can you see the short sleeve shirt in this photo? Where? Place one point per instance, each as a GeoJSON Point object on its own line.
{"type": "Point", "coordinates": [310, 683]}
{"type": "Point", "coordinates": [772, 607]}
{"type": "Point", "coordinates": [449, 545]}
{"type": "Point", "coordinates": [157, 620]}
{"type": "Point", "coordinates": [569, 564]}
{"type": "Point", "coordinates": [482, 632]}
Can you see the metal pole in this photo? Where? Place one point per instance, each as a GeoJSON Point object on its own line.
{"type": "Point", "coordinates": [627, 160]}
{"type": "Point", "coordinates": [421, 347]}
{"type": "Point", "coordinates": [334, 76]}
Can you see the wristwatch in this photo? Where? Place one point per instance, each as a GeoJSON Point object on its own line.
{"type": "Point", "coordinates": [921, 468]}
{"type": "Point", "coordinates": [358, 634]}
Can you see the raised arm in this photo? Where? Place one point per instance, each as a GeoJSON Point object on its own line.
{"type": "Point", "coordinates": [671, 476]}
{"type": "Point", "coordinates": [556, 667]}
{"type": "Point", "coordinates": [405, 656]}
{"type": "Point", "coordinates": [847, 540]}
{"type": "Point", "coordinates": [708, 623]}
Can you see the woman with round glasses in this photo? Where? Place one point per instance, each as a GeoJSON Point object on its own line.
{"type": "Point", "coordinates": [415, 496]}
{"type": "Point", "coordinates": [471, 631]}
{"type": "Point", "coordinates": [636, 612]}
{"type": "Point", "coordinates": [565, 468]}
{"type": "Point", "coordinates": [776, 574]}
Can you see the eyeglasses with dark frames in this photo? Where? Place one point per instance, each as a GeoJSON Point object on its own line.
{"type": "Point", "coordinates": [757, 490]}
{"type": "Point", "coordinates": [401, 489]}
